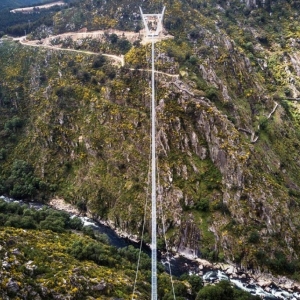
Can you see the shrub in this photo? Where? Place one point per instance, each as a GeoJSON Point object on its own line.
{"type": "Point", "coordinates": [3, 219]}
{"type": "Point", "coordinates": [195, 281]}
{"type": "Point", "coordinates": [84, 76]}
{"type": "Point", "coordinates": [92, 251]}
{"type": "Point", "coordinates": [254, 237]}
{"type": "Point", "coordinates": [124, 45]}
{"type": "Point", "coordinates": [202, 204]}
{"type": "Point", "coordinates": [13, 124]}
{"type": "Point", "coordinates": [75, 223]}
{"type": "Point", "coordinates": [223, 291]}
{"type": "Point", "coordinates": [194, 34]}
{"type": "Point", "coordinates": [132, 254]}
{"type": "Point", "coordinates": [280, 263]}
{"type": "Point", "coordinates": [263, 123]}
{"type": "Point", "coordinates": [89, 231]}
{"type": "Point", "coordinates": [3, 154]}
{"type": "Point", "coordinates": [212, 94]}
{"type": "Point", "coordinates": [113, 38]}
{"type": "Point", "coordinates": [193, 60]}
{"type": "Point", "coordinates": [53, 223]}
{"type": "Point", "coordinates": [249, 46]}
{"type": "Point", "coordinates": [99, 62]}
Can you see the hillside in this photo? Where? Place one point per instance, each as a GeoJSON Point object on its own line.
{"type": "Point", "coordinates": [21, 3]}
{"type": "Point", "coordinates": [18, 23]}
{"type": "Point", "coordinates": [46, 254]}
{"type": "Point", "coordinates": [42, 259]}
{"type": "Point", "coordinates": [228, 126]}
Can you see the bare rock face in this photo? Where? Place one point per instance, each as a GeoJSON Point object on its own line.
{"type": "Point", "coordinates": [100, 286]}
{"type": "Point", "coordinates": [223, 143]}
{"type": "Point", "coordinates": [249, 197]}
{"type": "Point", "coordinates": [189, 239]}
{"type": "Point", "coordinates": [30, 267]}
{"type": "Point", "coordinates": [224, 149]}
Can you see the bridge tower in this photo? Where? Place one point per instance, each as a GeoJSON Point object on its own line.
{"type": "Point", "coordinates": [153, 23]}
{"type": "Point", "coordinates": [153, 28]}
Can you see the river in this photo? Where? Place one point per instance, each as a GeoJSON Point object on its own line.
{"type": "Point", "coordinates": [180, 265]}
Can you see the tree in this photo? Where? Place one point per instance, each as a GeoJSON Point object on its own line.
{"type": "Point", "coordinates": [13, 124]}
{"type": "Point", "coordinates": [53, 223]}
{"type": "Point", "coordinates": [3, 154]}
{"type": "Point", "coordinates": [113, 38]}
{"type": "Point", "coordinates": [124, 45]}
{"type": "Point", "coordinates": [13, 221]}
{"type": "Point", "coordinates": [99, 61]}
{"type": "Point", "coordinates": [27, 222]}
{"type": "Point", "coordinates": [75, 223]}
{"type": "Point", "coordinates": [22, 184]}
{"type": "Point", "coordinates": [223, 291]}
{"type": "Point", "coordinates": [195, 281]}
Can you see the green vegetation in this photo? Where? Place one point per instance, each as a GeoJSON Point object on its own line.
{"type": "Point", "coordinates": [17, 24]}
{"type": "Point", "coordinates": [46, 269]}
{"type": "Point", "coordinates": [73, 266]}
{"type": "Point", "coordinates": [224, 291]}
{"type": "Point", "coordinates": [22, 184]}
{"type": "Point", "coordinates": [58, 261]}
{"type": "Point", "coordinates": [21, 216]}
{"type": "Point", "coordinates": [44, 258]}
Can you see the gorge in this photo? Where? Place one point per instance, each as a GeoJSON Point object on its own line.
{"type": "Point", "coordinates": [76, 126]}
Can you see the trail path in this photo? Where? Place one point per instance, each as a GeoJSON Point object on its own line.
{"type": "Point", "coordinates": [157, 72]}
{"type": "Point", "coordinates": [23, 41]}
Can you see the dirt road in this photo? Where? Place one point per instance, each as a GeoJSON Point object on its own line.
{"type": "Point", "coordinates": [23, 41]}
{"type": "Point", "coordinates": [31, 8]}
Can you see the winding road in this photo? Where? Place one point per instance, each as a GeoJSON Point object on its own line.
{"type": "Point", "coordinates": [119, 59]}
{"type": "Point", "coordinates": [23, 41]}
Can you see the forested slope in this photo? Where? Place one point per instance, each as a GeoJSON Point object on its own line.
{"type": "Point", "coordinates": [18, 23]}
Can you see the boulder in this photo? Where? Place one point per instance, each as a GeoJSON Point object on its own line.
{"type": "Point", "coordinates": [204, 263]}
{"type": "Point", "coordinates": [12, 286]}
{"type": "Point", "coordinates": [100, 286]}
{"type": "Point", "coordinates": [16, 251]}
{"type": "Point", "coordinates": [230, 270]}
{"type": "Point", "coordinates": [6, 265]}
{"type": "Point", "coordinates": [263, 282]}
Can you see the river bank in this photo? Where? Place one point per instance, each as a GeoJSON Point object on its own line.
{"type": "Point", "coordinates": [266, 285]}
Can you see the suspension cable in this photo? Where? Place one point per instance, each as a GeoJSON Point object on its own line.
{"type": "Point", "coordinates": [165, 238]}
{"type": "Point", "coordinates": [142, 237]}
{"type": "Point", "coordinates": [145, 213]}
{"type": "Point", "coordinates": [161, 211]}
